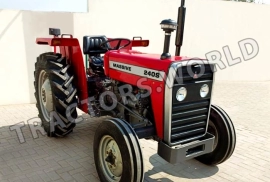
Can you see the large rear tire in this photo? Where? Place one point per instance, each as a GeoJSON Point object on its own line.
{"type": "Point", "coordinates": [55, 94]}
{"type": "Point", "coordinates": [221, 126]}
{"type": "Point", "coordinates": [117, 152]}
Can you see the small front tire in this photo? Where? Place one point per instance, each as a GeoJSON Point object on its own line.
{"type": "Point", "coordinates": [221, 126]}
{"type": "Point", "coordinates": [117, 152]}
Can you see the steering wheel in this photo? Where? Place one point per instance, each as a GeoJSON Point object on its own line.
{"type": "Point", "coordinates": [104, 44]}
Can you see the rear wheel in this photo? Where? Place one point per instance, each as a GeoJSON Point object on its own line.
{"type": "Point", "coordinates": [117, 152]}
{"type": "Point", "coordinates": [221, 126]}
{"type": "Point", "coordinates": [55, 94]}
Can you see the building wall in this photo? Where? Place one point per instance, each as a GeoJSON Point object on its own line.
{"type": "Point", "coordinates": [210, 25]}
{"type": "Point", "coordinates": [18, 51]}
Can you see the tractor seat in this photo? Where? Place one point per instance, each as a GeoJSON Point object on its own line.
{"type": "Point", "coordinates": [91, 45]}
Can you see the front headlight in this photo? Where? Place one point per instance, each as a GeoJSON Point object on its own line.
{"type": "Point", "coordinates": [204, 90]}
{"type": "Point", "coordinates": [181, 94]}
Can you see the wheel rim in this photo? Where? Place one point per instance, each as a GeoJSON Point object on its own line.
{"type": "Point", "coordinates": [213, 130]}
{"type": "Point", "coordinates": [45, 95]}
{"type": "Point", "coordinates": [110, 159]}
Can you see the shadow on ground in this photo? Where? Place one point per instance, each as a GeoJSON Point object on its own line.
{"type": "Point", "coordinates": [190, 169]}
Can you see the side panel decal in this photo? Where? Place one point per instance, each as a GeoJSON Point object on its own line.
{"type": "Point", "coordinates": [136, 70]}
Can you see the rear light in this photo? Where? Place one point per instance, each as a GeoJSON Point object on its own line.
{"type": "Point", "coordinates": [140, 43]}
{"type": "Point", "coordinates": [56, 42]}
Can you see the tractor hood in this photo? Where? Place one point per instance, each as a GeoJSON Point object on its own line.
{"type": "Point", "coordinates": [125, 58]}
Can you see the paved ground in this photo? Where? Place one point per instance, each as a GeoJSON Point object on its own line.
{"type": "Point", "coordinates": [41, 158]}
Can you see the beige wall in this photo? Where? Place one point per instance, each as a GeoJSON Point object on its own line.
{"type": "Point", "coordinates": [210, 25]}
{"type": "Point", "coordinates": [18, 51]}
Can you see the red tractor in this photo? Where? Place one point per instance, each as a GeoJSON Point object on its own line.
{"type": "Point", "coordinates": [160, 97]}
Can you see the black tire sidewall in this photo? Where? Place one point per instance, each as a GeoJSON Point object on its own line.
{"type": "Point", "coordinates": [231, 131]}
{"type": "Point", "coordinates": [224, 144]}
{"type": "Point", "coordinates": [223, 137]}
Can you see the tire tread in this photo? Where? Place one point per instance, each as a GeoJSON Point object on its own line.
{"type": "Point", "coordinates": [59, 74]}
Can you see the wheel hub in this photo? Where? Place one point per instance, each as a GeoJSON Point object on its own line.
{"type": "Point", "coordinates": [45, 95]}
{"type": "Point", "coordinates": [111, 159]}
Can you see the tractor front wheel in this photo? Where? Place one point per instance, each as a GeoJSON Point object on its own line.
{"type": "Point", "coordinates": [55, 94]}
{"type": "Point", "coordinates": [221, 126]}
{"type": "Point", "coordinates": [117, 152]}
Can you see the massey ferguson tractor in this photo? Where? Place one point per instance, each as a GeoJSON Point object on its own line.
{"type": "Point", "coordinates": [159, 97]}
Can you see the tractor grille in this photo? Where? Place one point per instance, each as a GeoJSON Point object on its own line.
{"type": "Point", "coordinates": [189, 120]}
{"type": "Point", "coordinates": [189, 117]}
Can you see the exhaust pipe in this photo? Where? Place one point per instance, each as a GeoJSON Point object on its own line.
{"type": "Point", "coordinates": [180, 28]}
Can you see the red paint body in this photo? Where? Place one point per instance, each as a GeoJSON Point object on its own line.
{"type": "Point", "coordinates": [70, 48]}
{"type": "Point", "coordinates": [151, 61]}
